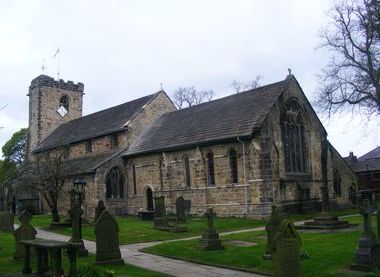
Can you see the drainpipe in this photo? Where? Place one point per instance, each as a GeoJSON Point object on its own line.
{"type": "Point", "coordinates": [245, 178]}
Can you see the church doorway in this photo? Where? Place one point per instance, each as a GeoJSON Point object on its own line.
{"type": "Point", "coordinates": [149, 199]}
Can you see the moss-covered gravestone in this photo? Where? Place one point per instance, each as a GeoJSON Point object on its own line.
{"type": "Point", "coordinates": [180, 210]}
{"type": "Point", "coordinates": [287, 251]}
{"type": "Point", "coordinates": [210, 237]}
{"type": "Point", "coordinates": [99, 210]}
{"type": "Point", "coordinates": [24, 232]}
{"type": "Point", "coordinates": [272, 228]}
{"type": "Point", "coordinates": [107, 240]}
{"type": "Point", "coordinates": [7, 221]}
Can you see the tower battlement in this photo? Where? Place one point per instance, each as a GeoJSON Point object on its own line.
{"type": "Point", "coordinates": [45, 80]}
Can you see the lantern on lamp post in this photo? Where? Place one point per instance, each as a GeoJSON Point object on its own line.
{"type": "Point", "coordinates": [79, 188]}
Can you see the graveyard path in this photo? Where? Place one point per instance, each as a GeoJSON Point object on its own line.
{"type": "Point", "coordinates": [131, 255]}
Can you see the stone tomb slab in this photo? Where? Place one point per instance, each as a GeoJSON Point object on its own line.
{"type": "Point", "coordinates": [240, 243]}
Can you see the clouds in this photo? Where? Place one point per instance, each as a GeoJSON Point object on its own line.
{"type": "Point", "coordinates": [122, 50]}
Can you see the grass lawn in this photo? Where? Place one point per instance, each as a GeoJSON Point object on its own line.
{"type": "Point", "coordinates": [329, 252]}
{"type": "Point", "coordinates": [133, 230]}
{"type": "Point", "coordinates": [8, 265]}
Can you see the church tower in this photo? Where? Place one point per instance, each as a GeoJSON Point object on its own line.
{"type": "Point", "coordinates": [51, 103]}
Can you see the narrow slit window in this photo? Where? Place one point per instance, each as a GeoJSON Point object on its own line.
{"type": "Point", "coordinates": [233, 166]}
{"type": "Point", "coordinates": [210, 169]}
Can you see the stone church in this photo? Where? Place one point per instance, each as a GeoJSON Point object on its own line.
{"type": "Point", "coordinates": [240, 154]}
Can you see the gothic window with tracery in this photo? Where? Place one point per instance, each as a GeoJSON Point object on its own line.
{"type": "Point", "coordinates": [115, 184]}
{"type": "Point", "coordinates": [64, 102]}
{"type": "Point", "coordinates": [293, 134]}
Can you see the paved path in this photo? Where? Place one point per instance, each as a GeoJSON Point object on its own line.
{"type": "Point", "coordinates": [131, 255]}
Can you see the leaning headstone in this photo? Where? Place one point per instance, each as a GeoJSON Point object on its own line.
{"type": "Point", "coordinates": [180, 210]}
{"type": "Point", "coordinates": [99, 210]}
{"type": "Point", "coordinates": [159, 204]}
{"type": "Point", "coordinates": [160, 219]}
{"type": "Point", "coordinates": [210, 237]}
{"type": "Point", "coordinates": [7, 221]}
{"type": "Point", "coordinates": [367, 255]}
{"type": "Point", "coordinates": [24, 232]}
{"type": "Point", "coordinates": [107, 240]}
{"type": "Point", "coordinates": [272, 228]}
{"type": "Point", "coordinates": [287, 251]}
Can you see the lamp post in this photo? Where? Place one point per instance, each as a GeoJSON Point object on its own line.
{"type": "Point", "coordinates": [79, 188]}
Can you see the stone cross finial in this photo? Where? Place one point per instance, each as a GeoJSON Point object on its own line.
{"type": "Point", "coordinates": [290, 71]}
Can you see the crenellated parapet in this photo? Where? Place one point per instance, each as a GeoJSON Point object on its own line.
{"type": "Point", "coordinates": [44, 80]}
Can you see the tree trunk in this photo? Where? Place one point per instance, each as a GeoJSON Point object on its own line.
{"type": "Point", "coordinates": [54, 212]}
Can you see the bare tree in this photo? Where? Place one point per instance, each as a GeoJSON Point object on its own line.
{"type": "Point", "coordinates": [251, 84]}
{"type": "Point", "coordinates": [188, 96]}
{"type": "Point", "coordinates": [48, 175]}
{"type": "Point", "coordinates": [352, 77]}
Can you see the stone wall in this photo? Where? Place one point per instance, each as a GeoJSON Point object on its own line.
{"type": "Point", "coordinates": [267, 181]}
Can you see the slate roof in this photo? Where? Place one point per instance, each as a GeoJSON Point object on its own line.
{"type": "Point", "coordinates": [224, 119]}
{"type": "Point", "coordinates": [87, 165]}
{"type": "Point", "coordinates": [373, 154]}
{"type": "Point", "coordinates": [94, 125]}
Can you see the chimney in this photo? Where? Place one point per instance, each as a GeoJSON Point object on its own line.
{"type": "Point", "coordinates": [353, 159]}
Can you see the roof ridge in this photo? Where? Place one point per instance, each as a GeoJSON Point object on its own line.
{"type": "Point", "coordinates": [110, 108]}
{"type": "Point", "coordinates": [229, 96]}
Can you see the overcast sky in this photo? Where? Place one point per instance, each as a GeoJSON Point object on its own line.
{"type": "Point", "coordinates": [122, 50]}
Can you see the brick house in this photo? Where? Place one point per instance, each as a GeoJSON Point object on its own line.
{"type": "Point", "coordinates": [240, 154]}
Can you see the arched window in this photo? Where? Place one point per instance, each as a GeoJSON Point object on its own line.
{"type": "Point", "coordinates": [337, 183]}
{"type": "Point", "coordinates": [233, 166]}
{"type": "Point", "coordinates": [115, 184]}
{"type": "Point", "coordinates": [210, 169]}
{"type": "Point", "coordinates": [187, 172]}
{"type": "Point", "coordinates": [293, 134]}
{"type": "Point", "coordinates": [64, 102]}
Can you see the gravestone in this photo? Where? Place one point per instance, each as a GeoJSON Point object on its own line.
{"type": "Point", "coordinates": [287, 251]}
{"type": "Point", "coordinates": [210, 238]}
{"type": "Point", "coordinates": [367, 255]}
{"type": "Point", "coordinates": [160, 218]}
{"type": "Point", "coordinates": [107, 240]}
{"type": "Point", "coordinates": [24, 232]}
{"type": "Point", "coordinates": [272, 228]}
{"type": "Point", "coordinates": [7, 221]}
{"type": "Point", "coordinates": [99, 210]}
{"type": "Point", "coordinates": [187, 207]}
{"type": "Point", "coordinates": [180, 210]}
